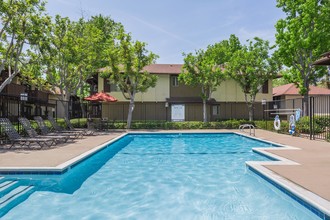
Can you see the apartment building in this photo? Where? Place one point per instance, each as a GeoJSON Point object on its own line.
{"type": "Point", "coordinates": [173, 101]}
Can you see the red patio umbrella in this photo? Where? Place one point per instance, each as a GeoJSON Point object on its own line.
{"type": "Point", "coordinates": [101, 97]}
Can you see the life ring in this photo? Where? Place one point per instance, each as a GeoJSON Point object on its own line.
{"type": "Point", "coordinates": [292, 125]}
{"type": "Point", "coordinates": [277, 123]}
{"type": "Point", "coordinates": [297, 114]}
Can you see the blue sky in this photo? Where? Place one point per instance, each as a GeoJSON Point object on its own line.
{"type": "Point", "coordinates": [174, 27]}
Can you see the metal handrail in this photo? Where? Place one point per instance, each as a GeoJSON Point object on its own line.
{"type": "Point", "coordinates": [250, 126]}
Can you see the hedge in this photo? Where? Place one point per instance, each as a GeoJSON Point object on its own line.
{"type": "Point", "coordinates": [167, 125]}
{"type": "Point", "coordinates": [302, 126]}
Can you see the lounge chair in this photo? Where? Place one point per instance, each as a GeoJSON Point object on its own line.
{"type": "Point", "coordinates": [15, 138]}
{"type": "Point", "coordinates": [33, 134]}
{"type": "Point", "coordinates": [59, 129]}
{"type": "Point", "coordinates": [45, 130]}
{"type": "Point", "coordinates": [86, 132]}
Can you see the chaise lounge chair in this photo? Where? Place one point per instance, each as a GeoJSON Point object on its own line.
{"type": "Point", "coordinates": [33, 134]}
{"type": "Point", "coordinates": [86, 132]}
{"type": "Point", "coordinates": [59, 129]}
{"type": "Point", "coordinates": [45, 130]}
{"type": "Point", "coordinates": [15, 138]}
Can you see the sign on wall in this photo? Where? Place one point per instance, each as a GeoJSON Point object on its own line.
{"type": "Point", "coordinates": [177, 112]}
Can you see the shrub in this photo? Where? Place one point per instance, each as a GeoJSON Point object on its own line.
{"type": "Point", "coordinates": [167, 125]}
{"type": "Point", "coordinates": [303, 125]}
{"type": "Point", "coordinates": [79, 122]}
{"type": "Point", "coordinates": [269, 125]}
{"type": "Point", "coordinates": [322, 121]}
{"type": "Point", "coordinates": [327, 137]}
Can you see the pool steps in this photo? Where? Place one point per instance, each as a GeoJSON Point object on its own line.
{"type": "Point", "coordinates": [12, 192]}
{"type": "Point", "coordinates": [6, 185]}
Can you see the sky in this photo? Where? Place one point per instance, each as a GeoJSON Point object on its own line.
{"type": "Point", "coordinates": [173, 27]}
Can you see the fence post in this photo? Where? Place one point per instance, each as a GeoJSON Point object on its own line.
{"type": "Point", "coordinates": [311, 118]}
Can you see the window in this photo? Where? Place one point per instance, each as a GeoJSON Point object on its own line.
{"type": "Point", "coordinates": [114, 88]}
{"type": "Point", "coordinates": [175, 81]}
{"type": "Point", "coordinates": [215, 110]}
{"type": "Point", "coordinates": [264, 88]}
{"type": "Point", "coordinates": [110, 87]}
{"type": "Point", "coordinates": [106, 85]}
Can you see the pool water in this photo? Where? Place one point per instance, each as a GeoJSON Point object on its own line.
{"type": "Point", "coordinates": [162, 176]}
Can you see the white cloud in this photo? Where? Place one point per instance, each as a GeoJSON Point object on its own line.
{"type": "Point", "coordinates": [162, 30]}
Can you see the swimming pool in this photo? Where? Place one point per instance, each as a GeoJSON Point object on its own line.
{"type": "Point", "coordinates": [160, 176]}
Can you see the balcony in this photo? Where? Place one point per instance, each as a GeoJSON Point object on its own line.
{"type": "Point", "coordinates": [14, 89]}
{"type": "Point", "coordinates": [36, 95]}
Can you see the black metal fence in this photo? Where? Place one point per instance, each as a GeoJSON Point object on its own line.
{"type": "Point", "coordinates": [13, 107]}
{"type": "Point", "coordinates": [320, 117]}
{"type": "Point", "coordinates": [315, 125]}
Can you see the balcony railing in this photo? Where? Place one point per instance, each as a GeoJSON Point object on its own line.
{"type": "Point", "coordinates": [14, 89]}
{"type": "Point", "coordinates": [38, 95]}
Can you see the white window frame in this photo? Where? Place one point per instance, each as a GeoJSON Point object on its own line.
{"type": "Point", "coordinates": [215, 110]}
{"type": "Point", "coordinates": [175, 81]}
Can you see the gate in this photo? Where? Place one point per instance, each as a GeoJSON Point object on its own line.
{"type": "Point", "coordinates": [319, 120]}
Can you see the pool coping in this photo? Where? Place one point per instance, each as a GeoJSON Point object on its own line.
{"type": "Point", "coordinates": [61, 168]}
{"type": "Point", "coordinates": [303, 196]}
{"type": "Point", "coordinates": [310, 200]}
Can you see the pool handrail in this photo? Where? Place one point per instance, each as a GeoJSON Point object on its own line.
{"type": "Point", "coordinates": [250, 126]}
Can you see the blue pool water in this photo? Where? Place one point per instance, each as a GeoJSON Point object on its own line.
{"type": "Point", "coordinates": [163, 176]}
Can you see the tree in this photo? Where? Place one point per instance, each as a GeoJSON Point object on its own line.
{"type": "Point", "coordinates": [251, 67]}
{"type": "Point", "coordinates": [126, 62]}
{"type": "Point", "coordinates": [21, 25]}
{"type": "Point", "coordinates": [301, 38]}
{"type": "Point", "coordinates": [70, 54]}
{"type": "Point", "coordinates": [201, 69]}
{"type": "Point", "coordinates": [55, 56]}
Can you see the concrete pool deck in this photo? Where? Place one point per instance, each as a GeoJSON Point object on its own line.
{"type": "Point", "coordinates": [313, 157]}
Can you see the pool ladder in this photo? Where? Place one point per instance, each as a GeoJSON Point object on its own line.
{"type": "Point", "coordinates": [252, 130]}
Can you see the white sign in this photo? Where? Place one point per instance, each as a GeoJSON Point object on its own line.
{"type": "Point", "coordinates": [177, 113]}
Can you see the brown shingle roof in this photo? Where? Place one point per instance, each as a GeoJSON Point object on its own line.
{"type": "Point", "coordinates": [164, 68]}
{"type": "Point", "coordinates": [290, 89]}
{"type": "Point", "coordinates": [174, 69]}
{"type": "Point", "coordinates": [324, 60]}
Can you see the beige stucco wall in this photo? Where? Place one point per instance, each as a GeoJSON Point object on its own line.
{"type": "Point", "coordinates": [230, 91]}
{"type": "Point", "coordinates": [157, 94]}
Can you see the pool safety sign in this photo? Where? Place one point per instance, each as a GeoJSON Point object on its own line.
{"type": "Point", "coordinates": [177, 112]}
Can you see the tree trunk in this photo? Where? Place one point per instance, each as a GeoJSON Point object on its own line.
{"type": "Point", "coordinates": [305, 100]}
{"type": "Point", "coordinates": [7, 81]}
{"type": "Point", "coordinates": [83, 111]}
{"type": "Point", "coordinates": [305, 105]}
{"type": "Point", "coordinates": [65, 105]}
{"type": "Point", "coordinates": [204, 111]}
{"type": "Point", "coordinates": [250, 106]}
{"type": "Point", "coordinates": [130, 112]}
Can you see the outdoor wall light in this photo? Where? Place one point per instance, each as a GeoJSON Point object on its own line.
{"type": "Point", "coordinates": [24, 96]}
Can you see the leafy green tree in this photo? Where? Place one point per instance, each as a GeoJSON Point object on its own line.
{"type": "Point", "coordinates": [71, 53]}
{"type": "Point", "coordinates": [251, 67]}
{"type": "Point", "coordinates": [55, 56]}
{"type": "Point", "coordinates": [21, 25]}
{"type": "Point", "coordinates": [126, 62]}
{"type": "Point", "coordinates": [302, 36]}
{"type": "Point", "coordinates": [201, 69]}
{"type": "Point", "coordinates": [223, 50]}
{"type": "Point", "coordinates": [93, 37]}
